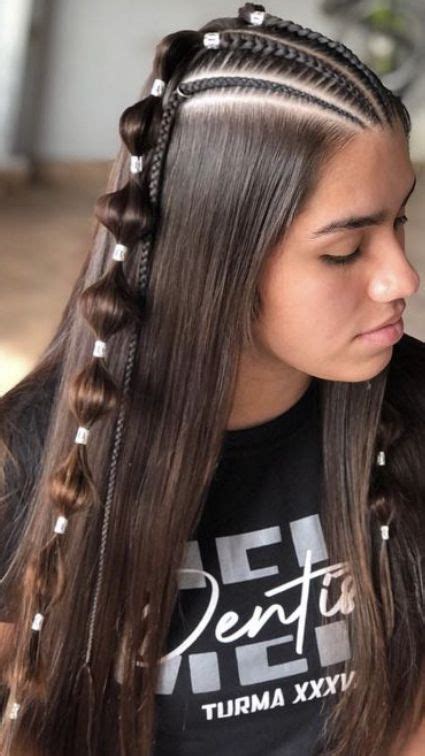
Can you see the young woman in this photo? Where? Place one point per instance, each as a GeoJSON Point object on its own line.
{"type": "Point", "coordinates": [213, 515]}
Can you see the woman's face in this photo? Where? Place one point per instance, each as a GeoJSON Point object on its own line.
{"type": "Point", "coordinates": [313, 309]}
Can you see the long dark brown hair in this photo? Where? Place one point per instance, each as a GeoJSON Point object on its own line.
{"type": "Point", "coordinates": [232, 151]}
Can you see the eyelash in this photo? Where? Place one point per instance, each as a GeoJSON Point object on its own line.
{"type": "Point", "coordinates": [347, 259]}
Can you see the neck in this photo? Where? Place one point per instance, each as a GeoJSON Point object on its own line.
{"type": "Point", "coordinates": [264, 389]}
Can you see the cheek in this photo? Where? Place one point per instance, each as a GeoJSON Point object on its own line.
{"type": "Point", "coordinates": [309, 321]}
{"type": "Point", "coordinates": [299, 305]}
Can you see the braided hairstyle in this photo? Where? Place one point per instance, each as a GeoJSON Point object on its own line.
{"type": "Point", "coordinates": [78, 522]}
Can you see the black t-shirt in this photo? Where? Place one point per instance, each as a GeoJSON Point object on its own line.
{"type": "Point", "coordinates": [244, 670]}
{"type": "Point", "coordinates": [260, 693]}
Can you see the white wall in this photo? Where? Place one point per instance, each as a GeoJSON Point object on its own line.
{"type": "Point", "coordinates": [100, 52]}
{"type": "Point", "coordinates": [14, 29]}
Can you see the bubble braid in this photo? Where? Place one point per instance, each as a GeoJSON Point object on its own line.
{"type": "Point", "coordinates": [112, 303]}
{"type": "Point", "coordinates": [108, 305]}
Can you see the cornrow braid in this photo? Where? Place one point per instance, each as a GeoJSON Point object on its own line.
{"type": "Point", "coordinates": [261, 45]}
{"type": "Point", "coordinates": [201, 85]}
{"type": "Point", "coordinates": [335, 50]}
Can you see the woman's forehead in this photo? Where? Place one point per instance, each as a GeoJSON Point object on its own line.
{"type": "Point", "coordinates": [372, 174]}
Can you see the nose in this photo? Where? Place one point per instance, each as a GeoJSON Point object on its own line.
{"type": "Point", "coordinates": [397, 279]}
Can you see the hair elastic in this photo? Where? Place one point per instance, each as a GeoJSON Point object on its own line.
{"type": "Point", "coordinates": [14, 710]}
{"type": "Point", "coordinates": [82, 435]}
{"type": "Point", "coordinates": [212, 40]}
{"type": "Point", "coordinates": [136, 163]}
{"type": "Point", "coordinates": [380, 460]}
{"type": "Point", "coordinates": [158, 87]}
{"type": "Point", "coordinates": [99, 349]}
{"type": "Point", "coordinates": [385, 532]}
{"type": "Point", "coordinates": [120, 252]}
{"type": "Point", "coordinates": [256, 17]}
{"type": "Point", "coordinates": [60, 524]}
{"type": "Point", "coordinates": [37, 622]}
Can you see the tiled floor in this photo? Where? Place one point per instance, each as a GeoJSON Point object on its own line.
{"type": "Point", "coordinates": [45, 232]}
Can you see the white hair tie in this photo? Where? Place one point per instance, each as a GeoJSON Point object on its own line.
{"type": "Point", "coordinates": [158, 87]}
{"type": "Point", "coordinates": [256, 17]}
{"type": "Point", "coordinates": [385, 532]}
{"type": "Point", "coordinates": [120, 252]}
{"type": "Point", "coordinates": [380, 460]}
{"type": "Point", "coordinates": [60, 524]}
{"type": "Point", "coordinates": [14, 710]}
{"type": "Point", "coordinates": [99, 349]}
{"type": "Point", "coordinates": [82, 435]}
{"type": "Point", "coordinates": [37, 622]}
{"type": "Point", "coordinates": [212, 40]}
{"type": "Point", "coordinates": [136, 163]}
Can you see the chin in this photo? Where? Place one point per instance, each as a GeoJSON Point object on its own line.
{"type": "Point", "coordinates": [356, 372]}
{"type": "Point", "coordinates": [374, 366]}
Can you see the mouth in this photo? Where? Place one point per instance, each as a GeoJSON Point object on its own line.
{"type": "Point", "coordinates": [393, 321]}
{"type": "Point", "coordinates": [385, 335]}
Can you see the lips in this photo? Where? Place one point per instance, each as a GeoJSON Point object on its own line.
{"type": "Point", "coordinates": [384, 337]}
{"type": "Point", "coordinates": [386, 323]}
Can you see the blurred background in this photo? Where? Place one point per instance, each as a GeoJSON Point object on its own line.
{"type": "Point", "coordinates": [69, 69]}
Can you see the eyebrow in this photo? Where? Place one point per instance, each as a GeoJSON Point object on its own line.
{"type": "Point", "coordinates": [354, 221]}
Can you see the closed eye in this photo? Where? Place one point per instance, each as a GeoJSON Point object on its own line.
{"type": "Point", "coordinates": [347, 259]}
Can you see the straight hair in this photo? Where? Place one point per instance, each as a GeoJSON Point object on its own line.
{"type": "Point", "coordinates": [232, 152]}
